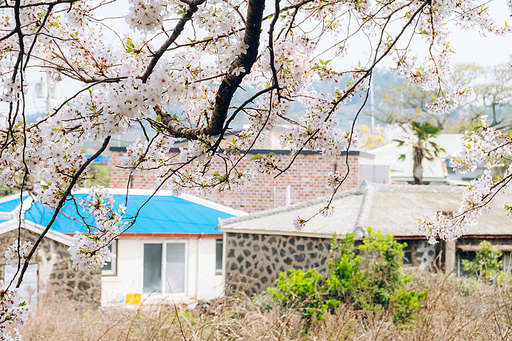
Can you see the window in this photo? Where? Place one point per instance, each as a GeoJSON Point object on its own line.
{"type": "Point", "coordinates": [408, 254]}
{"type": "Point", "coordinates": [469, 255]}
{"type": "Point", "coordinates": [164, 268]}
{"type": "Point", "coordinates": [110, 268]}
{"type": "Point", "coordinates": [219, 246]}
{"type": "Point", "coordinates": [29, 286]}
{"type": "Point", "coordinates": [507, 261]}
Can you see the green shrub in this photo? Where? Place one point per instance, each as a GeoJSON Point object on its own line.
{"type": "Point", "coordinates": [487, 265]}
{"type": "Point", "coordinates": [371, 280]}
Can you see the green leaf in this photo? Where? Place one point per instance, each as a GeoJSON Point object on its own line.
{"type": "Point", "coordinates": [401, 157]}
{"type": "Point", "coordinates": [159, 118]}
{"type": "Point", "coordinates": [130, 45]}
{"type": "Point", "coordinates": [19, 124]}
{"type": "Point", "coordinates": [400, 142]}
{"type": "Point", "coordinates": [256, 157]}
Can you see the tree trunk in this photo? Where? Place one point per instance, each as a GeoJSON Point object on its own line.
{"type": "Point", "coordinates": [417, 170]}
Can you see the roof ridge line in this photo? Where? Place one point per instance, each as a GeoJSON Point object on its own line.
{"type": "Point", "coordinates": [418, 188]}
{"type": "Point", "coordinates": [363, 217]}
{"type": "Point", "coordinates": [223, 222]}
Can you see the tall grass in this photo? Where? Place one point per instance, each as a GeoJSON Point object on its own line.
{"type": "Point", "coordinates": [453, 310]}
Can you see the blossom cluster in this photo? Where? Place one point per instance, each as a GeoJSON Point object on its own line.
{"type": "Point", "coordinates": [450, 102]}
{"type": "Point", "coordinates": [17, 252]}
{"type": "Point", "coordinates": [90, 249]}
{"type": "Point", "coordinates": [299, 223]}
{"type": "Point", "coordinates": [484, 144]}
{"type": "Point", "coordinates": [12, 310]}
{"type": "Point", "coordinates": [145, 15]}
{"type": "Point", "coordinates": [148, 155]}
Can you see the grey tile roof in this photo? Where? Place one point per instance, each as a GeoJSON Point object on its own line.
{"type": "Point", "coordinates": [390, 208]}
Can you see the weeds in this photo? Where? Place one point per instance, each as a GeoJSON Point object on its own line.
{"type": "Point", "coordinates": [454, 309]}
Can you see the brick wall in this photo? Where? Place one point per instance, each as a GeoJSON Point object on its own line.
{"type": "Point", "coordinates": [307, 178]}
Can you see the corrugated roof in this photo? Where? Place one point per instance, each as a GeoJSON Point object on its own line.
{"type": "Point", "coordinates": [164, 214]}
{"type": "Point", "coordinates": [390, 208]}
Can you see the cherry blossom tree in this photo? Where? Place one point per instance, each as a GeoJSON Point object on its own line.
{"type": "Point", "coordinates": [177, 68]}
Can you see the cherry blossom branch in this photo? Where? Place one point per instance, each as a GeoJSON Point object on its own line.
{"type": "Point", "coordinates": [60, 205]}
{"type": "Point", "coordinates": [229, 84]}
{"type": "Point", "coordinates": [193, 6]}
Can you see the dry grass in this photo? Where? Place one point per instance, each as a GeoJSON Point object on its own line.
{"type": "Point", "coordinates": [454, 310]}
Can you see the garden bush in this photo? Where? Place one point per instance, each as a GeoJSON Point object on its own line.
{"type": "Point", "coordinates": [370, 279]}
{"type": "Point", "coordinates": [487, 265]}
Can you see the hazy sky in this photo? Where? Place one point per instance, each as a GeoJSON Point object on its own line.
{"type": "Point", "coordinates": [469, 46]}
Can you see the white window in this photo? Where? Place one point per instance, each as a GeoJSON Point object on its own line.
{"type": "Point", "coordinates": [219, 245]}
{"type": "Point", "coordinates": [165, 267]}
{"type": "Point", "coordinates": [110, 269]}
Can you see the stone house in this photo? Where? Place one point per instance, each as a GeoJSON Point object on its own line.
{"type": "Point", "coordinates": [260, 246]}
{"type": "Point", "coordinates": [50, 269]}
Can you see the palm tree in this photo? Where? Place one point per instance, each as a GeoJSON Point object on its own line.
{"type": "Point", "coordinates": [422, 147]}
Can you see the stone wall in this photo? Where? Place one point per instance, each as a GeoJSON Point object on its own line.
{"type": "Point", "coordinates": [254, 261]}
{"type": "Point", "coordinates": [422, 255]}
{"type": "Point", "coordinates": [306, 178]}
{"type": "Point", "coordinates": [55, 273]}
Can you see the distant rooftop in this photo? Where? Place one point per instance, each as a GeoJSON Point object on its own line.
{"type": "Point", "coordinates": [433, 171]}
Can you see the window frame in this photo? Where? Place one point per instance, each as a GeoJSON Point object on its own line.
{"type": "Point", "coordinates": [221, 270]}
{"type": "Point", "coordinates": [164, 243]}
{"type": "Point", "coordinates": [113, 270]}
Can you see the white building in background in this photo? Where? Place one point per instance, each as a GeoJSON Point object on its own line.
{"type": "Point", "coordinates": [436, 172]}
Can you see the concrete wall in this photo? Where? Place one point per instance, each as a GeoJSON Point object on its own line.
{"type": "Point", "coordinates": [307, 178]}
{"type": "Point", "coordinates": [201, 279]}
{"type": "Point", "coordinates": [54, 268]}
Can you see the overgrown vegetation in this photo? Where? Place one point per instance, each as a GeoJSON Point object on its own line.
{"type": "Point", "coordinates": [371, 279]}
{"type": "Point", "coordinates": [454, 309]}
{"type": "Point", "coordinates": [487, 265]}
{"type": "Point", "coordinates": [370, 300]}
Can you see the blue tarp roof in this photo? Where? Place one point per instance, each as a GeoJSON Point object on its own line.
{"type": "Point", "coordinates": [100, 158]}
{"type": "Point", "coordinates": [10, 205]}
{"type": "Point", "coordinates": [163, 214]}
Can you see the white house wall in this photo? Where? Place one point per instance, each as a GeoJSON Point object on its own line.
{"type": "Point", "coordinates": [201, 279]}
